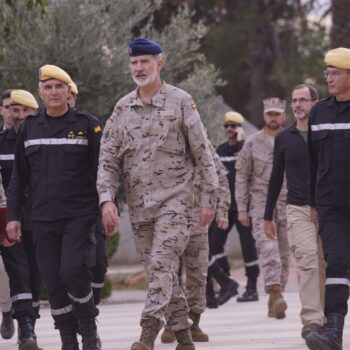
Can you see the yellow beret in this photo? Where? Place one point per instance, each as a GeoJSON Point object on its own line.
{"type": "Point", "coordinates": [53, 72]}
{"type": "Point", "coordinates": [24, 98]}
{"type": "Point", "coordinates": [234, 117]}
{"type": "Point", "coordinates": [338, 58]}
{"type": "Point", "coordinates": [74, 88]}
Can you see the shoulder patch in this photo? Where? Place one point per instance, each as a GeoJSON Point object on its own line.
{"type": "Point", "coordinates": [240, 163]}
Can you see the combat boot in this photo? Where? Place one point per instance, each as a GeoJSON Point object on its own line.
{"type": "Point", "coordinates": [277, 306]}
{"type": "Point", "coordinates": [251, 293]}
{"type": "Point", "coordinates": [168, 336]}
{"type": "Point", "coordinates": [150, 330]}
{"type": "Point", "coordinates": [184, 340]}
{"type": "Point", "coordinates": [197, 334]}
{"type": "Point", "coordinates": [88, 330]}
{"type": "Point", "coordinates": [69, 341]}
{"type": "Point", "coordinates": [229, 287]}
{"type": "Point", "coordinates": [332, 336]}
{"type": "Point", "coordinates": [26, 334]}
{"type": "Point", "coordinates": [7, 328]}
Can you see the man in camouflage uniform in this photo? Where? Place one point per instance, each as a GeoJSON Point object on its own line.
{"type": "Point", "coordinates": [254, 166]}
{"type": "Point", "coordinates": [195, 257]}
{"type": "Point", "coordinates": [155, 140]}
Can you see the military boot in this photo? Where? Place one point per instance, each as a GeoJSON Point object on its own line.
{"type": "Point", "coordinates": [7, 328]}
{"type": "Point", "coordinates": [26, 334]}
{"type": "Point", "coordinates": [89, 335]}
{"type": "Point", "coordinates": [69, 341]}
{"type": "Point", "coordinates": [277, 306]}
{"type": "Point", "coordinates": [332, 336]}
{"type": "Point", "coordinates": [184, 340]}
{"type": "Point", "coordinates": [251, 293]}
{"type": "Point", "coordinates": [150, 330]}
{"type": "Point", "coordinates": [168, 336]}
{"type": "Point", "coordinates": [197, 334]}
{"type": "Point", "coordinates": [228, 286]}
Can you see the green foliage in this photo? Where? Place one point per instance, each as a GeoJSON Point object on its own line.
{"type": "Point", "coordinates": [89, 39]}
{"type": "Point", "coordinates": [112, 246]}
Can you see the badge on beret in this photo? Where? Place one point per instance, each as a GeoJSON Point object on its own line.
{"type": "Point", "coordinates": [240, 163]}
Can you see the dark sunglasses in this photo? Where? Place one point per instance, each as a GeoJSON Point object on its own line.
{"type": "Point", "coordinates": [233, 126]}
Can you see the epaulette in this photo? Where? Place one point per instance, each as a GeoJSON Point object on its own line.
{"type": "Point", "coordinates": [84, 112]}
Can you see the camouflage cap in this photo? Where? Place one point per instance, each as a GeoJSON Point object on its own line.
{"type": "Point", "coordinates": [274, 104]}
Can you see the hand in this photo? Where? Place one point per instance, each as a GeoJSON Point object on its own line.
{"type": "Point", "coordinates": [110, 218]}
{"type": "Point", "coordinates": [240, 133]}
{"type": "Point", "coordinates": [206, 216]}
{"type": "Point", "coordinates": [6, 243]}
{"type": "Point", "coordinates": [14, 232]}
{"type": "Point", "coordinates": [243, 218]}
{"type": "Point", "coordinates": [269, 229]}
{"type": "Point", "coordinates": [222, 222]}
{"type": "Point", "coordinates": [313, 215]}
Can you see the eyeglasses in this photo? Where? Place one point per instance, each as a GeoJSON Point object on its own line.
{"type": "Point", "coordinates": [300, 100]}
{"type": "Point", "coordinates": [233, 126]}
{"type": "Point", "coordinates": [334, 74]}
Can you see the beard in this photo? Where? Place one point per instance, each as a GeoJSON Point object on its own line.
{"type": "Point", "coordinates": [149, 80]}
{"type": "Point", "coordinates": [300, 115]}
{"type": "Point", "coordinates": [273, 125]}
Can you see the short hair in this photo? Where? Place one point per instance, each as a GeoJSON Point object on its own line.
{"type": "Point", "coordinates": [4, 95]}
{"type": "Point", "coordinates": [312, 90]}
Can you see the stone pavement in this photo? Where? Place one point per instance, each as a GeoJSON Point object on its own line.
{"type": "Point", "coordinates": [233, 326]}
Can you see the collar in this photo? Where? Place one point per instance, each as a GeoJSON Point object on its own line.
{"type": "Point", "coordinates": [157, 100]}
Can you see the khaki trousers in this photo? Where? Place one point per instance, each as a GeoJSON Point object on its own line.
{"type": "Point", "coordinates": [5, 299]}
{"type": "Point", "coordinates": [305, 246]}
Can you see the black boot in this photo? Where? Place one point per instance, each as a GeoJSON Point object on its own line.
{"type": "Point", "coordinates": [229, 287]}
{"type": "Point", "coordinates": [26, 334]}
{"type": "Point", "coordinates": [7, 328]}
{"type": "Point", "coordinates": [212, 303]}
{"type": "Point", "coordinates": [89, 335]}
{"type": "Point", "coordinates": [332, 336]}
{"type": "Point", "coordinates": [251, 293]}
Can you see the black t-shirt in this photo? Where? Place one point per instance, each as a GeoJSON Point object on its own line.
{"type": "Point", "coordinates": [228, 155]}
{"type": "Point", "coordinates": [56, 123]}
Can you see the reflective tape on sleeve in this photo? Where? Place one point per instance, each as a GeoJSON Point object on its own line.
{"type": "Point", "coordinates": [55, 142]}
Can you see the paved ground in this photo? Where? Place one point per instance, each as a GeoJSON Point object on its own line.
{"type": "Point", "coordinates": [233, 326]}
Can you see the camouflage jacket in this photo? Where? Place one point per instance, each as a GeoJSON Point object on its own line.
{"type": "Point", "coordinates": [254, 167]}
{"type": "Point", "coordinates": [155, 148]}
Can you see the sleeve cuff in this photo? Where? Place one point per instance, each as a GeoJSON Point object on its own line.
{"type": "Point", "coordinates": [207, 201]}
{"type": "Point", "coordinates": [105, 197]}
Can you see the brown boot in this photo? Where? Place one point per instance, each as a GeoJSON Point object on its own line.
{"type": "Point", "coordinates": [168, 336]}
{"type": "Point", "coordinates": [277, 306]}
{"type": "Point", "coordinates": [197, 334]}
{"type": "Point", "coordinates": [184, 339]}
{"type": "Point", "coordinates": [150, 330]}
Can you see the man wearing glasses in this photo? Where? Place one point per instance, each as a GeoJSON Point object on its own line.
{"type": "Point", "coordinates": [329, 154]}
{"type": "Point", "coordinates": [228, 152]}
{"type": "Point", "coordinates": [254, 165]}
{"type": "Point", "coordinates": [291, 157]}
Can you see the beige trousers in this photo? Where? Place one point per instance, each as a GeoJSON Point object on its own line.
{"type": "Point", "coordinates": [5, 298]}
{"type": "Point", "coordinates": [305, 246]}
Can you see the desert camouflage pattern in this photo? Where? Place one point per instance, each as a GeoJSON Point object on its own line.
{"type": "Point", "coordinates": [195, 257]}
{"type": "Point", "coordinates": [155, 149]}
{"type": "Point", "coordinates": [254, 167]}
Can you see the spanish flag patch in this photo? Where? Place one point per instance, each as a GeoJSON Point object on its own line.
{"type": "Point", "coordinates": [97, 129]}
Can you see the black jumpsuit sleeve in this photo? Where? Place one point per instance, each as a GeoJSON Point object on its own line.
{"type": "Point", "coordinates": [19, 180]}
{"type": "Point", "coordinates": [94, 139]}
{"type": "Point", "coordinates": [276, 179]}
{"type": "Point", "coordinates": [313, 163]}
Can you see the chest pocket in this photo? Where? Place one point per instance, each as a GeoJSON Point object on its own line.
{"type": "Point", "coordinates": [169, 133]}
{"type": "Point", "coordinates": [33, 155]}
{"type": "Point", "coordinates": [75, 157]}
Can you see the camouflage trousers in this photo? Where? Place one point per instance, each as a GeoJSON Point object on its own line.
{"type": "Point", "coordinates": [159, 244]}
{"type": "Point", "coordinates": [196, 259]}
{"type": "Point", "coordinates": [273, 254]}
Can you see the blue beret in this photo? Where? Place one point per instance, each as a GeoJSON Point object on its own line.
{"type": "Point", "coordinates": [142, 46]}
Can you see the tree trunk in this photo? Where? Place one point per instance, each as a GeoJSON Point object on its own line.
{"type": "Point", "coordinates": [340, 33]}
